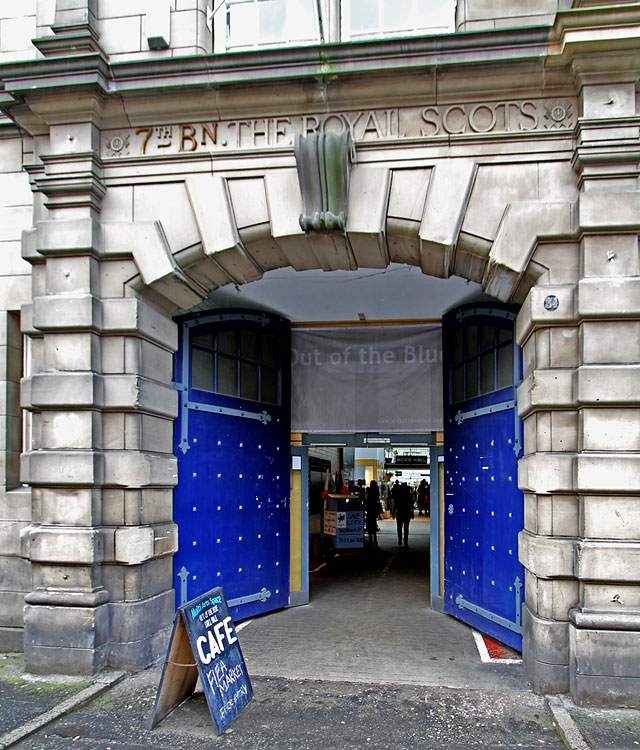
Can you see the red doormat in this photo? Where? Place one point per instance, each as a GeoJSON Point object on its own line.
{"type": "Point", "coordinates": [494, 651]}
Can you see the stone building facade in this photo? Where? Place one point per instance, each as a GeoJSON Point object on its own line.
{"type": "Point", "coordinates": [142, 166]}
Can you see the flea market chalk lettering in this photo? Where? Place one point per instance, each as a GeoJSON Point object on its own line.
{"type": "Point", "coordinates": [476, 118]}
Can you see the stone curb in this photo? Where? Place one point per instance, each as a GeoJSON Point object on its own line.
{"type": "Point", "coordinates": [567, 728]}
{"type": "Point", "coordinates": [102, 683]}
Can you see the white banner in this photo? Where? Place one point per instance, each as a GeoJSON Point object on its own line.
{"type": "Point", "coordinates": [367, 379]}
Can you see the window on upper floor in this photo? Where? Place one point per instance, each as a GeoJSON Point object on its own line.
{"type": "Point", "coordinates": [255, 24]}
{"type": "Point", "coordinates": [370, 19]}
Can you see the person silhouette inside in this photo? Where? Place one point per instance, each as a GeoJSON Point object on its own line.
{"type": "Point", "coordinates": [404, 512]}
{"type": "Point", "coordinates": [372, 506]}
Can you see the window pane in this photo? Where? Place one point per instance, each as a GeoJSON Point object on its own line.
{"type": "Point", "coordinates": [302, 20]}
{"type": "Point", "coordinates": [249, 345]}
{"type": "Point", "coordinates": [227, 376]}
{"type": "Point", "coordinates": [457, 347]}
{"type": "Point", "coordinates": [504, 334]}
{"type": "Point", "coordinates": [397, 14]}
{"type": "Point", "coordinates": [505, 366]}
{"type": "Point", "coordinates": [272, 21]}
{"type": "Point", "coordinates": [487, 372]}
{"type": "Point", "coordinates": [269, 349]}
{"type": "Point", "coordinates": [472, 378]}
{"type": "Point", "coordinates": [227, 342]}
{"type": "Point", "coordinates": [486, 337]}
{"type": "Point", "coordinates": [458, 384]}
{"type": "Point", "coordinates": [242, 27]}
{"type": "Point", "coordinates": [363, 16]}
{"type": "Point", "coordinates": [202, 370]}
{"type": "Point", "coordinates": [249, 381]}
{"type": "Point", "coordinates": [269, 386]}
{"type": "Point", "coordinates": [205, 340]}
{"type": "Point", "coordinates": [472, 341]}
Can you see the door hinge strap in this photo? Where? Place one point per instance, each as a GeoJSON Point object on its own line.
{"type": "Point", "coordinates": [504, 406]}
{"type": "Point", "coordinates": [261, 596]}
{"type": "Point", "coordinates": [262, 416]}
{"type": "Point", "coordinates": [516, 626]}
{"type": "Point", "coordinates": [487, 312]}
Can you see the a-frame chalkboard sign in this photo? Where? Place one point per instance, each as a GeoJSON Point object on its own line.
{"type": "Point", "coordinates": [204, 642]}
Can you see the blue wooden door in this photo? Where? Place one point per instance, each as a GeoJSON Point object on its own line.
{"type": "Point", "coordinates": [483, 508]}
{"type": "Point", "coordinates": [232, 440]}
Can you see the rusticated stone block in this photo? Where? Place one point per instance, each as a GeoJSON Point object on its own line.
{"type": "Point", "coordinates": [600, 342]}
{"type": "Point", "coordinates": [546, 473]}
{"type": "Point", "coordinates": [551, 599]}
{"type": "Point", "coordinates": [62, 660]}
{"type": "Point", "coordinates": [606, 666]}
{"type": "Point", "coordinates": [11, 606]}
{"type": "Point", "coordinates": [134, 655]}
{"type": "Point", "coordinates": [72, 352]}
{"type": "Point", "coordinates": [66, 627]}
{"type": "Point", "coordinates": [66, 545]}
{"type": "Point", "coordinates": [612, 297]}
{"type": "Point", "coordinates": [11, 640]}
{"type": "Point", "coordinates": [51, 468]}
{"type": "Point", "coordinates": [545, 648]}
{"type": "Point", "coordinates": [545, 306]}
{"type": "Point", "coordinates": [607, 561]}
{"type": "Point", "coordinates": [64, 313]}
{"type": "Point", "coordinates": [72, 275]}
{"type": "Point", "coordinates": [137, 469]}
{"type": "Point", "coordinates": [70, 430]}
{"type": "Point", "coordinates": [132, 621]}
{"type": "Point", "coordinates": [614, 255]}
{"type": "Point", "coordinates": [15, 575]}
{"type": "Point", "coordinates": [55, 390]}
{"type": "Point", "coordinates": [546, 557]}
{"type": "Point", "coordinates": [609, 210]}
{"type": "Point", "coordinates": [610, 429]}
{"type": "Point", "coordinates": [73, 507]}
{"type": "Point", "coordinates": [604, 473]}
{"type": "Point", "coordinates": [135, 582]}
{"type": "Point", "coordinates": [614, 385]}
{"type": "Point", "coordinates": [610, 516]}
{"type": "Point", "coordinates": [544, 389]}
{"type": "Point", "coordinates": [129, 315]}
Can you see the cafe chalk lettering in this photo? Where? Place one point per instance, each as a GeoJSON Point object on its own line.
{"type": "Point", "coordinates": [365, 126]}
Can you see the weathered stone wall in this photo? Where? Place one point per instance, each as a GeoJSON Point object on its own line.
{"type": "Point", "coordinates": [15, 290]}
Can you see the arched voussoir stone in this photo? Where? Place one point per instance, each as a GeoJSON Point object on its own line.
{"type": "Point", "coordinates": [522, 226]}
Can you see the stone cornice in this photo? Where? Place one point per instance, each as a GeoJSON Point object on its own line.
{"type": "Point", "coordinates": [416, 70]}
{"type": "Point", "coordinates": [597, 41]}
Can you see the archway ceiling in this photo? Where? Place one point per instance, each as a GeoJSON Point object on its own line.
{"type": "Point", "coordinates": [399, 292]}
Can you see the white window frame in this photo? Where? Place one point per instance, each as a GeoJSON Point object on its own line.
{"type": "Point", "coordinates": [332, 25]}
{"type": "Point", "coordinates": [381, 33]}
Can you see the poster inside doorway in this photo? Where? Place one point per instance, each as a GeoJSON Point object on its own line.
{"type": "Point", "coordinates": [367, 379]}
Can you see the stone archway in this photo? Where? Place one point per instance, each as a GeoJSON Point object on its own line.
{"type": "Point", "coordinates": [112, 262]}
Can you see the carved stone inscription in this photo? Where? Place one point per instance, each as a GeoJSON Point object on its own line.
{"type": "Point", "coordinates": [441, 121]}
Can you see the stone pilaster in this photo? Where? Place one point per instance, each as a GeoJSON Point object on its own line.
{"type": "Point", "coordinates": [547, 331]}
{"type": "Point", "coordinates": [604, 630]}
{"type": "Point", "coordinates": [101, 465]}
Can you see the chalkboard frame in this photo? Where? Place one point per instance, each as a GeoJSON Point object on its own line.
{"type": "Point", "coordinates": [204, 643]}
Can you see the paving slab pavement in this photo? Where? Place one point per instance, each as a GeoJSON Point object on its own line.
{"type": "Point", "coordinates": [365, 665]}
{"type": "Point", "coordinates": [308, 715]}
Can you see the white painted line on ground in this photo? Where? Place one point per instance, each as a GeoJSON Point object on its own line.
{"type": "Point", "coordinates": [243, 624]}
{"type": "Point", "coordinates": [567, 726]}
{"type": "Point", "coordinates": [103, 682]}
{"type": "Point", "coordinates": [484, 653]}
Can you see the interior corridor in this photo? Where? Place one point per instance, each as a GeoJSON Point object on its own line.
{"type": "Point", "coordinates": [369, 621]}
